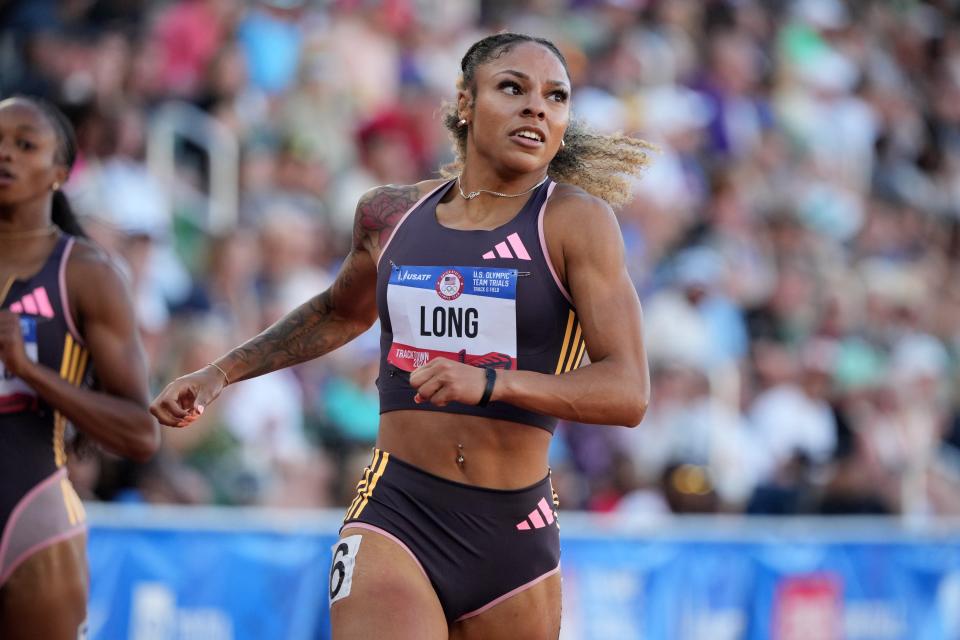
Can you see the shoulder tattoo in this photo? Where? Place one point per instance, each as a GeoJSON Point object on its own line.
{"type": "Point", "coordinates": [380, 210]}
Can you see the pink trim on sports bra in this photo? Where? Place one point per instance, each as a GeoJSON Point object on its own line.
{"type": "Point", "coordinates": [64, 298]}
{"type": "Point", "coordinates": [405, 216]}
{"type": "Point", "coordinates": [543, 245]}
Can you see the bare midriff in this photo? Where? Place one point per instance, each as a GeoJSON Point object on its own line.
{"type": "Point", "coordinates": [496, 454]}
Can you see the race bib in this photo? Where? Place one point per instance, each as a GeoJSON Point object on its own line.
{"type": "Point", "coordinates": [467, 314]}
{"type": "Point", "coordinates": [341, 569]}
{"type": "Point", "coordinates": [15, 394]}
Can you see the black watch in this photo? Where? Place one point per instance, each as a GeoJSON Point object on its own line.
{"type": "Point", "coordinates": [488, 389]}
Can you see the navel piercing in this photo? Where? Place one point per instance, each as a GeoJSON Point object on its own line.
{"type": "Point", "coordinates": [460, 458]}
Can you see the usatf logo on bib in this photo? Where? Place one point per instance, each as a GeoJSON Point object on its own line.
{"type": "Point", "coordinates": [468, 314]}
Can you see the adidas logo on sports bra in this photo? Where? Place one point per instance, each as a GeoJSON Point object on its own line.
{"type": "Point", "coordinates": [36, 303]}
{"type": "Point", "coordinates": [501, 250]}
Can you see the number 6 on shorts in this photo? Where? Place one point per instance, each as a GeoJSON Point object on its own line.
{"type": "Point", "coordinates": [341, 569]}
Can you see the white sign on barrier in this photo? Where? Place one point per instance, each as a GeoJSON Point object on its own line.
{"type": "Point", "coordinates": [154, 616]}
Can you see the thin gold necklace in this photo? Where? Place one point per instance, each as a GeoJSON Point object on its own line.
{"type": "Point", "coordinates": [474, 194]}
{"type": "Point", "coordinates": [29, 233]}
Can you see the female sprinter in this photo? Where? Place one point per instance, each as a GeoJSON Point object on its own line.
{"type": "Point", "coordinates": [64, 312]}
{"type": "Point", "coordinates": [490, 288]}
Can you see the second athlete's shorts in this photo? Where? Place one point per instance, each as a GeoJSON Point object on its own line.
{"type": "Point", "coordinates": [48, 513]}
{"type": "Point", "coordinates": [477, 546]}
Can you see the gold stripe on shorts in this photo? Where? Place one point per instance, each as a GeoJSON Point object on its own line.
{"type": "Point", "coordinates": [371, 477]}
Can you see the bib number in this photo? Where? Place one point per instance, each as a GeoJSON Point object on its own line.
{"type": "Point", "coordinates": [343, 563]}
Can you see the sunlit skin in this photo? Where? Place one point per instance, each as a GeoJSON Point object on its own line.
{"type": "Point", "coordinates": [28, 168]}
{"type": "Point", "coordinates": [30, 171]}
{"type": "Point", "coordinates": [524, 88]}
{"type": "Point", "coordinates": [38, 601]}
{"type": "Point", "coordinates": [527, 87]}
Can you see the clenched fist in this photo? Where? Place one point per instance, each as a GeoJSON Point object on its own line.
{"type": "Point", "coordinates": [442, 381]}
{"type": "Point", "coordinates": [184, 399]}
{"type": "Point", "coordinates": [13, 355]}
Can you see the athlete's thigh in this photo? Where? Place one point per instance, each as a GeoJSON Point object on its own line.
{"type": "Point", "coordinates": [532, 614]}
{"type": "Point", "coordinates": [46, 596]}
{"type": "Point", "coordinates": [377, 590]}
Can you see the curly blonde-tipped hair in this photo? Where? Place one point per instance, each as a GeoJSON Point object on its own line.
{"type": "Point", "coordinates": [599, 164]}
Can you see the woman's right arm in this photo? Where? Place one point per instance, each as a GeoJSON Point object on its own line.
{"type": "Point", "coordinates": [320, 325]}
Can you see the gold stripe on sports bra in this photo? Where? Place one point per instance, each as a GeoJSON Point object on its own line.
{"type": "Point", "coordinates": [566, 342]}
{"type": "Point", "coordinates": [6, 288]}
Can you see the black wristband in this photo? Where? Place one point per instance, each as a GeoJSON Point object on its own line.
{"type": "Point", "coordinates": [488, 390]}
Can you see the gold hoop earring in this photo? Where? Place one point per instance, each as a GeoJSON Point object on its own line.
{"type": "Point", "coordinates": [563, 143]}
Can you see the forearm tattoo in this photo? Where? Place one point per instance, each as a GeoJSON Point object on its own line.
{"type": "Point", "coordinates": [319, 326]}
{"type": "Point", "coordinates": [307, 332]}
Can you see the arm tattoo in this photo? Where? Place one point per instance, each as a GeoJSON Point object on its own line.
{"type": "Point", "coordinates": [379, 211]}
{"type": "Point", "coordinates": [318, 326]}
{"type": "Point", "coordinates": [309, 331]}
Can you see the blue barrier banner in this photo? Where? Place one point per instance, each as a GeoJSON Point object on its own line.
{"type": "Point", "coordinates": [171, 574]}
{"type": "Point", "coordinates": [149, 582]}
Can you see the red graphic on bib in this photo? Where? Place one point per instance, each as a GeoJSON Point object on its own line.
{"type": "Point", "coordinates": [491, 360]}
{"type": "Point", "coordinates": [17, 402]}
{"type": "Point", "coordinates": [409, 358]}
{"type": "Point", "coordinates": [450, 285]}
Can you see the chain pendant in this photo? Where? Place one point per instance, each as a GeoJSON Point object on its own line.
{"type": "Point", "coordinates": [474, 194]}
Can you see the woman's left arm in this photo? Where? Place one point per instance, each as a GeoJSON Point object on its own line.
{"type": "Point", "coordinates": [115, 414]}
{"type": "Point", "coordinates": [615, 387]}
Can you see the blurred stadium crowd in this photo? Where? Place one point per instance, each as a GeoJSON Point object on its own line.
{"type": "Point", "coordinates": [795, 243]}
